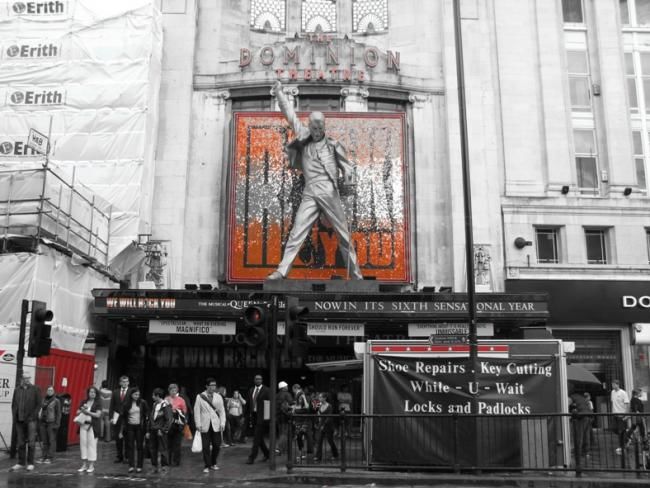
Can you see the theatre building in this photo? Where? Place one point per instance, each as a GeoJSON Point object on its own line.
{"type": "Point", "coordinates": [558, 155]}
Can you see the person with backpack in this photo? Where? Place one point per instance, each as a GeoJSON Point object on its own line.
{"type": "Point", "coordinates": [179, 412]}
{"type": "Point", "coordinates": [160, 421]}
{"type": "Point", "coordinates": [210, 419]}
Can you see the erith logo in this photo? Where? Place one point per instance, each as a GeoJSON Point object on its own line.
{"type": "Point", "coordinates": [32, 50]}
{"type": "Point", "coordinates": [16, 149]}
{"type": "Point", "coordinates": [36, 97]}
{"type": "Point", "coordinates": [39, 8]}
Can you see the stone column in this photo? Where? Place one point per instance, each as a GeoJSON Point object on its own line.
{"type": "Point", "coordinates": [615, 119]}
{"type": "Point", "coordinates": [207, 176]}
{"type": "Point", "coordinates": [355, 99]}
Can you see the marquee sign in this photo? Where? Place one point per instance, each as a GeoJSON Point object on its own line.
{"type": "Point", "coordinates": [265, 195]}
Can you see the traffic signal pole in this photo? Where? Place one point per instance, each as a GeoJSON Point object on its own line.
{"type": "Point", "coordinates": [273, 378]}
{"type": "Point", "coordinates": [21, 341]}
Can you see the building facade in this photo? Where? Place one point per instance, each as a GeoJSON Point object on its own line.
{"type": "Point", "coordinates": [558, 149]}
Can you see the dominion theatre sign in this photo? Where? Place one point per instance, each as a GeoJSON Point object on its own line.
{"type": "Point", "coordinates": [320, 57]}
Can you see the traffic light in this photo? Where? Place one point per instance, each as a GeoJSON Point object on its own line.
{"type": "Point", "coordinates": [39, 331]}
{"type": "Point", "coordinates": [256, 325]}
{"type": "Point", "coordinates": [295, 328]}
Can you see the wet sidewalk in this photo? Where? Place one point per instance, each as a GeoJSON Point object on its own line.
{"type": "Point", "coordinates": [234, 471]}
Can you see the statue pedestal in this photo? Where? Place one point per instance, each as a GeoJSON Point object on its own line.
{"type": "Point", "coordinates": [309, 286]}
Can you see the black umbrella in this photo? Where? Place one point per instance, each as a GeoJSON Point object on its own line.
{"type": "Point", "coordinates": [578, 374]}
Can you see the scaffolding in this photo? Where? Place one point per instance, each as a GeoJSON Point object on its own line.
{"type": "Point", "coordinates": [40, 204]}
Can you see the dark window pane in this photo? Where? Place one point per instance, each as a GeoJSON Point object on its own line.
{"type": "Point", "coordinates": [596, 247]}
{"type": "Point", "coordinates": [646, 92]}
{"type": "Point", "coordinates": [546, 246]}
{"type": "Point", "coordinates": [645, 63]}
{"type": "Point", "coordinates": [572, 11]}
{"type": "Point", "coordinates": [643, 12]}
{"type": "Point", "coordinates": [625, 13]}
{"type": "Point", "coordinates": [579, 89]}
{"type": "Point", "coordinates": [587, 173]}
{"type": "Point", "coordinates": [636, 143]}
{"type": "Point", "coordinates": [640, 173]}
{"type": "Point", "coordinates": [631, 93]}
{"type": "Point", "coordinates": [629, 64]}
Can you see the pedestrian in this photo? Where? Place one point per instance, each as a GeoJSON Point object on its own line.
{"type": "Point", "coordinates": [303, 425]}
{"type": "Point", "coordinates": [226, 434]}
{"type": "Point", "coordinates": [89, 419]}
{"type": "Point", "coordinates": [179, 411]}
{"type": "Point", "coordinates": [636, 406]}
{"type": "Point", "coordinates": [119, 400]}
{"type": "Point", "coordinates": [620, 407]}
{"type": "Point", "coordinates": [105, 395]}
{"type": "Point", "coordinates": [135, 416]}
{"type": "Point", "coordinates": [160, 421]}
{"type": "Point", "coordinates": [25, 406]}
{"type": "Point", "coordinates": [190, 409]}
{"type": "Point", "coordinates": [210, 419]}
{"type": "Point", "coordinates": [580, 406]}
{"type": "Point", "coordinates": [284, 400]}
{"type": "Point", "coordinates": [325, 427]}
{"type": "Point", "coordinates": [344, 399]}
{"type": "Point", "coordinates": [258, 395]}
{"type": "Point", "coordinates": [50, 420]}
{"type": "Point", "coordinates": [235, 417]}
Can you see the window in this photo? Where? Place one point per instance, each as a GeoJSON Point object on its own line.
{"type": "Point", "coordinates": [268, 15]}
{"type": "Point", "coordinates": [596, 240]}
{"type": "Point", "coordinates": [630, 82]}
{"type": "Point", "coordinates": [572, 11]}
{"type": "Point", "coordinates": [319, 15]}
{"type": "Point", "coordinates": [547, 240]}
{"type": "Point", "coordinates": [586, 160]}
{"type": "Point", "coordinates": [639, 161]}
{"type": "Point", "coordinates": [578, 67]}
{"type": "Point", "coordinates": [647, 239]}
{"type": "Point", "coordinates": [369, 16]}
{"type": "Point", "coordinates": [635, 12]}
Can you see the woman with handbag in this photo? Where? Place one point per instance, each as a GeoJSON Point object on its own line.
{"type": "Point", "coordinates": [135, 414]}
{"type": "Point", "coordinates": [89, 419]}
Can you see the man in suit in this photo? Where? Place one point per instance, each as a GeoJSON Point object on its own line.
{"type": "Point", "coordinates": [320, 159]}
{"type": "Point", "coordinates": [256, 398]}
{"type": "Point", "coordinates": [119, 400]}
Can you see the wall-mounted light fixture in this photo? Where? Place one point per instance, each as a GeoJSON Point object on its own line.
{"type": "Point", "coordinates": [445, 289]}
{"type": "Point", "coordinates": [520, 243]}
{"type": "Point", "coordinates": [628, 191]}
{"type": "Point", "coordinates": [565, 189]}
{"type": "Point", "coordinates": [191, 286]}
{"type": "Point", "coordinates": [205, 286]}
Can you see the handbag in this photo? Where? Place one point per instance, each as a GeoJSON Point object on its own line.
{"type": "Point", "coordinates": [81, 419]}
{"type": "Point", "coordinates": [187, 433]}
{"type": "Point", "coordinates": [197, 445]}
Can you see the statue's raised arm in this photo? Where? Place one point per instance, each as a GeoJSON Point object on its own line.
{"type": "Point", "coordinates": [286, 106]}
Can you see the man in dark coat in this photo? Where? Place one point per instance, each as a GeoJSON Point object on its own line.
{"type": "Point", "coordinates": [25, 406]}
{"type": "Point", "coordinates": [257, 396]}
{"type": "Point", "coordinates": [119, 400]}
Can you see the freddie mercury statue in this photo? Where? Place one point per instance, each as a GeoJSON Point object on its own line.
{"type": "Point", "coordinates": [320, 159]}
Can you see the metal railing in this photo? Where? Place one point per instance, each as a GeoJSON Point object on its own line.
{"type": "Point", "coordinates": [38, 203]}
{"type": "Point", "coordinates": [454, 443]}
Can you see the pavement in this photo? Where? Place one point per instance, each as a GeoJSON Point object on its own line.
{"type": "Point", "coordinates": [235, 472]}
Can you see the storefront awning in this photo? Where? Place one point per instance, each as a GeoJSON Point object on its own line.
{"type": "Point", "coordinates": [334, 366]}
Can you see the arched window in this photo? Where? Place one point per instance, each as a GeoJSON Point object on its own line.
{"type": "Point", "coordinates": [319, 15]}
{"type": "Point", "coordinates": [268, 15]}
{"type": "Point", "coordinates": [369, 16]}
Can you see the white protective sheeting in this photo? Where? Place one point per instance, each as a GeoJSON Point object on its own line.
{"type": "Point", "coordinates": [88, 74]}
{"type": "Point", "coordinates": [54, 278]}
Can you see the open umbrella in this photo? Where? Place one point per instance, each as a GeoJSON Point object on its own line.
{"type": "Point", "coordinates": [578, 374]}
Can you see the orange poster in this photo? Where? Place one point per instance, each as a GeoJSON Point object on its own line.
{"type": "Point", "coordinates": [265, 195]}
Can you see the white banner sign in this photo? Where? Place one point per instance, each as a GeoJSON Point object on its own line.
{"type": "Point", "coordinates": [37, 141]}
{"type": "Point", "coordinates": [449, 328]}
{"type": "Point", "coordinates": [332, 329]}
{"type": "Point", "coordinates": [192, 327]}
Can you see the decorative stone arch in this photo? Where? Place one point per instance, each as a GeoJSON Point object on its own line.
{"type": "Point", "coordinates": [318, 20]}
{"type": "Point", "coordinates": [367, 20]}
{"type": "Point", "coordinates": [267, 17]}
